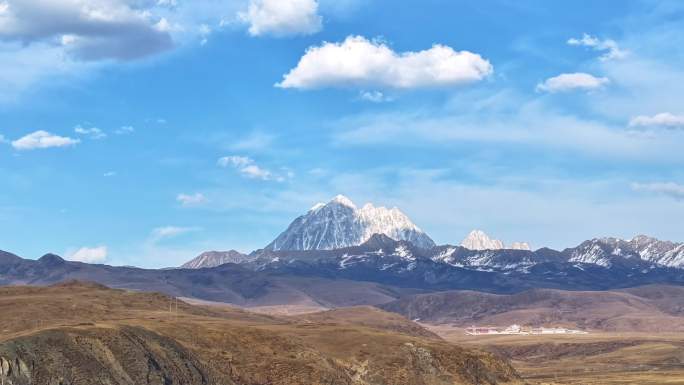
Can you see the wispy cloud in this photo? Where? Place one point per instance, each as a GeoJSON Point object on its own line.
{"type": "Point", "coordinates": [670, 189]}
{"type": "Point", "coordinates": [358, 61]}
{"type": "Point", "coordinates": [167, 232]}
{"type": "Point", "coordinates": [610, 48]}
{"type": "Point", "coordinates": [43, 139]}
{"type": "Point", "coordinates": [124, 130]}
{"type": "Point", "coordinates": [572, 82]}
{"type": "Point", "coordinates": [90, 132]}
{"type": "Point", "coordinates": [109, 174]}
{"type": "Point", "coordinates": [664, 119]}
{"type": "Point", "coordinates": [248, 168]}
{"type": "Point", "coordinates": [256, 140]}
{"type": "Point", "coordinates": [374, 97]}
{"type": "Point", "coordinates": [191, 199]}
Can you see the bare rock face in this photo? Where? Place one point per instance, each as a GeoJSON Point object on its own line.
{"type": "Point", "coordinates": [210, 259]}
{"type": "Point", "coordinates": [125, 356]}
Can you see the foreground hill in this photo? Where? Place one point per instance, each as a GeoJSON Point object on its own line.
{"type": "Point", "coordinates": [84, 334]}
{"type": "Point", "coordinates": [649, 308]}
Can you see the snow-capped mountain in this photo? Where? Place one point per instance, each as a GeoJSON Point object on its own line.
{"type": "Point", "coordinates": [339, 223]}
{"type": "Point", "coordinates": [215, 258]}
{"type": "Point", "coordinates": [601, 251]}
{"type": "Point", "coordinates": [479, 240]}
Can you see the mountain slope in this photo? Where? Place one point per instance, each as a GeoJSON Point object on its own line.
{"type": "Point", "coordinates": [339, 224]}
{"type": "Point", "coordinates": [647, 309]}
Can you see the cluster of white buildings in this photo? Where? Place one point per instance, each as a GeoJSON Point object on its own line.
{"type": "Point", "coordinates": [517, 329]}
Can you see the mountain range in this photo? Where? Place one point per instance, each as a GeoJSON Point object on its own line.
{"type": "Point", "coordinates": [339, 224]}
{"type": "Point", "coordinates": [326, 259]}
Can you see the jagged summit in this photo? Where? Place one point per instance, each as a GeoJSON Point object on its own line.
{"type": "Point", "coordinates": [343, 200]}
{"type": "Point", "coordinates": [601, 251]}
{"type": "Point", "coordinates": [479, 240]}
{"type": "Point", "coordinates": [339, 223]}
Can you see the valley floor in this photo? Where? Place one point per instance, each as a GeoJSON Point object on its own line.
{"type": "Point", "coordinates": [593, 359]}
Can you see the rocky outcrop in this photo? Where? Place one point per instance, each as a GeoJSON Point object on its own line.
{"type": "Point", "coordinates": [121, 356]}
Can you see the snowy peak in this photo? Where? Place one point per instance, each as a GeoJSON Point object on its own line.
{"type": "Point", "coordinates": [601, 250]}
{"type": "Point", "coordinates": [339, 223]}
{"type": "Point", "coordinates": [479, 240]}
{"type": "Point", "coordinates": [342, 200]}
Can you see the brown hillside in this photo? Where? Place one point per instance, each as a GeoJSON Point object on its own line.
{"type": "Point", "coordinates": [86, 334]}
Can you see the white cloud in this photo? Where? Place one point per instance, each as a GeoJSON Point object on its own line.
{"type": "Point", "coordinates": [43, 139]}
{"type": "Point", "coordinates": [670, 189]}
{"type": "Point", "coordinates": [191, 199]}
{"type": "Point", "coordinates": [86, 29]}
{"type": "Point", "coordinates": [248, 168]}
{"type": "Point", "coordinates": [360, 62]}
{"type": "Point", "coordinates": [282, 17]}
{"type": "Point", "coordinates": [167, 232]}
{"type": "Point", "coordinates": [92, 132]}
{"type": "Point", "coordinates": [572, 81]}
{"type": "Point", "coordinates": [374, 96]}
{"type": "Point", "coordinates": [88, 254]}
{"type": "Point", "coordinates": [664, 119]}
{"type": "Point", "coordinates": [610, 47]}
{"type": "Point", "coordinates": [124, 130]}
{"type": "Point", "coordinates": [109, 174]}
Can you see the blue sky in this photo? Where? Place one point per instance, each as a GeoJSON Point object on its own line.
{"type": "Point", "coordinates": [143, 132]}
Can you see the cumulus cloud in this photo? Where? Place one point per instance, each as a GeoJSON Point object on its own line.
{"type": "Point", "coordinates": [86, 29]}
{"type": "Point", "coordinates": [43, 139]}
{"type": "Point", "coordinates": [282, 17]}
{"type": "Point", "coordinates": [610, 48]}
{"type": "Point", "coordinates": [670, 189]}
{"type": "Point", "coordinates": [664, 119]}
{"type": "Point", "coordinates": [358, 61]}
{"type": "Point", "coordinates": [91, 132]}
{"type": "Point", "coordinates": [191, 199]}
{"type": "Point", "coordinates": [571, 82]}
{"type": "Point", "coordinates": [88, 254]}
